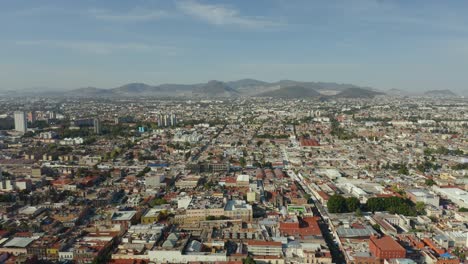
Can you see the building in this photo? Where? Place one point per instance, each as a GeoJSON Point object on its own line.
{"type": "Point", "coordinates": [456, 195]}
{"type": "Point", "coordinates": [155, 179]}
{"type": "Point", "coordinates": [48, 135]}
{"type": "Point", "coordinates": [21, 124]}
{"type": "Point", "coordinates": [202, 207]}
{"type": "Point", "coordinates": [166, 120]}
{"type": "Point", "coordinates": [238, 209]}
{"type": "Point", "coordinates": [264, 248]}
{"type": "Point", "coordinates": [188, 182]}
{"type": "Point", "coordinates": [173, 119]}
{"type": "Point", "coordinates": [300, 227]}
{"type": "Point", "coordinates": [386, 248]}
{"type": "Point", "coordinates": [32, 116]}
{"type": "Point", "coordinates": [124, 218]}
{"type": "Point", "coordinates": [242, 180]}
{"type": "Point", "coordinates": [419, 195]}
{"type": "Point", "coordinates": [151, 216]}
{"type": "Point", "coordinates": [97, 126]}
{"type": "Point", "coordinates": [252, 196]}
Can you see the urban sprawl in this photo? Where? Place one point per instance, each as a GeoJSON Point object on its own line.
{"type": "Point", "coordinates": [240, 180]}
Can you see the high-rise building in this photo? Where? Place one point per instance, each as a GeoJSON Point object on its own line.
{"type": "Point", "coordinates": [97, 126]}
{"type": "Point", "coordinates": [21, 124]}
{"type": "Point", "coordinates": [165, 120]}
{"type": "Point", "coordinates": [173, 120]}
{"type": "Point", "coordinates": [32, 116]}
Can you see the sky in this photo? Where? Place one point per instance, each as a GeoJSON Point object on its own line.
{"type": "Point", "coordinates": [413, 45]}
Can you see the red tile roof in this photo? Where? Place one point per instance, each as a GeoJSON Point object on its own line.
{"type": "Point", "coordinates": [306, 142]}
{"type": "Point", "coordinates": [263, 243]}
{"type": "Point", "coordinates": [387, 243]}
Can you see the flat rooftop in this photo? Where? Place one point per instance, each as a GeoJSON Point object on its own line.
{"type": "Point", "coordinates": [123, 215]}
{"type": "Point", "coordinates": [19, 242]}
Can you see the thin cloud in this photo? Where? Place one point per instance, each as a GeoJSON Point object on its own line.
{"type": "Point", "coordinates": [43, 10]}
{"type": "Point", "coordinates": [223, 15]}
{"type": "Point", "coordinates": [101, 48]}
{"type": "Point", "coordinates": [392, 13]}
{"type": "Point", "coordinates": [136, 15]}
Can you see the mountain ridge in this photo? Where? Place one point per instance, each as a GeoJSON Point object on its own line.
{"type": "Point", "coordinates": [443, 92]}
{"type": "Point", "coordinates": [356, 92]}
{"type": "Point", "coordinates": [295, 91]}
{"type": "Point", "coordinates": [213, 88]}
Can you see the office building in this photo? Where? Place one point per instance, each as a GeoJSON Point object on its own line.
{"type": "Point", "coordinates": [173, 119]}
{"type": "Point", "coordinates": [97, 126]}
{"type": "Point", "coordinates": [165, 120]}
{"type": "Point", "coordinates": [21, 124]}
{"type": "Point", "coordinates": [32, 116]}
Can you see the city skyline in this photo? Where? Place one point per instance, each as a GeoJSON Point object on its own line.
{"type": "Point", "coordinates": [415, 46]}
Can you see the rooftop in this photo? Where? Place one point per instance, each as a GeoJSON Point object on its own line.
{"type": "Point", "coordinates": [123, 215]}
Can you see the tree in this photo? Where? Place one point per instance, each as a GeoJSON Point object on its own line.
{"type": "Point", "coordinates": [248, 260]}
{"type": "Point", "coordinates": [358, 212]}
{"type": "Point", "coordinates": [242, 162]}
{"type": "Point", "coordinates": [395, 205]}
{"type": "Point", "coordinates": [420, 206]}
{"type": "Point", "coordinates": [143, 172]}
{"type": "Point", "coordinates": [376, 227]}
{"type": "Point", "coordinates": [460, 166]}
{"type": "Point", "coordinates": [429, 182]}
{"type": "Point", "coordinates": [460, 253]}
{"type": "Point", "coordinates": [337, 204]}
{"type": "Point", "coordinates": [158, 201]}
{"type": "Point", "coordinates": [188, 154]}
{"type": "Point", "coordinates": [352, 204]}
{"type": "Point", "coordinates": [28, 134]}
{"type": "Point", "coordinates": [403, 169]}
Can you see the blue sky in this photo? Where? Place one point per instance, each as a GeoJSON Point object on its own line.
{"type": "Point", "coordinates": [411, 45]}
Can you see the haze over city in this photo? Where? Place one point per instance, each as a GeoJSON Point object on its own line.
{"type": "Point", "coordinates": [233, 132]}
{"type": "Point", "coordinates": [409, 45]}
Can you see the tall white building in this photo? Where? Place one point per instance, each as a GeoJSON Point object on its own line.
{"type": "Point", "coordinates": [166, 120]}
{"type": "Point", "coordinates": [97, 126]}
{"type": "Point", "coordinates": [173, 120]}
{"type": "Point", "coordinates": [21, 124]}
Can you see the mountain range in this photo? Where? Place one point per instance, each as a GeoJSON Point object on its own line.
{"type": "Point", "coordinates": [294, 91]}
{"type": "Point", "coordinates": [440, 93]}
{"type": "Point", "coordinates": [244, 88]}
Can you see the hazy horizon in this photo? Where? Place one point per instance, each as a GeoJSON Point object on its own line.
{"type": "Point", "coordinates": [413, 46]}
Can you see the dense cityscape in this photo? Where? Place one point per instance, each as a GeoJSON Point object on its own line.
{"type": "Point", "coordinates": [275, 180]}
{"type": "Point", "coordinates": [234, 132]}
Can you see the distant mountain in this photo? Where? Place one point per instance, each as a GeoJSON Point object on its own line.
{"type": "Point", "coordinates": [356, 92]}
{"type": "Point", "coordinates": [246, 83]}
{"type": "Point", "coordinates": [243, 87]}
{"type": "Point", "coordinates": [291, 92]}
{"type": "Point", "coordinates": [440, 93]}
{"type": "Point", "coordinates": [176, 87]}
{"type": "Point", "coordinates": [214, 89]}
{"type": "Point", "coordinates": [397, 92]}
{"type": "Point", "coordinates": [251, 87]}
{"type": "Point", "coordinates": [316, 85]}
{"type": "Point", "coordinates": [88, 92]}
{"type": "Point", "coordinates": [134, 88]}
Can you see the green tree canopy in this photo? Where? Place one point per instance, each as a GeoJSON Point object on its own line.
{"type": "Point", "coordinates": [352, 204]}
{"type": "Point", "coordinates": [337, 204]}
